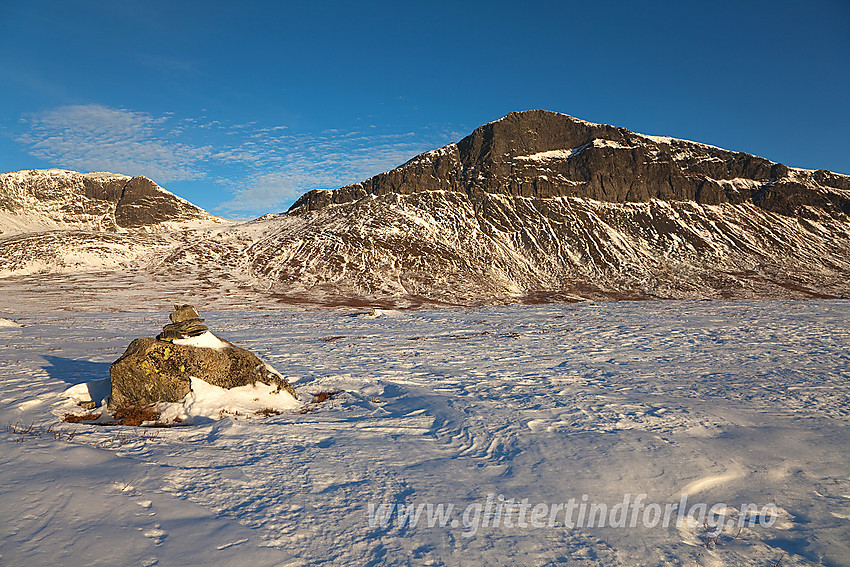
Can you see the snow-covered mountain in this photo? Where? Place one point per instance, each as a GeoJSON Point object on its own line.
{"type": "Point", "coordinates": [542, 205]}
{"type": "Point", "coordinates": [534, 206]}
{"type": "Point", "coordinates": [59, 221]}
{"type": "Point", "coordinates": [38, 200]}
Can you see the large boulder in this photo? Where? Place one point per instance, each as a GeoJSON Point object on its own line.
{"type": "Point", "coordinates": [155, 370]}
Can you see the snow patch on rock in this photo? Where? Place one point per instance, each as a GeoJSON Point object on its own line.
{"type": "Point", "coordinates": [204, 340]}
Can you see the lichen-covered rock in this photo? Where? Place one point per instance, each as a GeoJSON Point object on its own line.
{"type": "Point", "coordinates": [153, 371]}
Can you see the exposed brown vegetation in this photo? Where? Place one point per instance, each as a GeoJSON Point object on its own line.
{"type": "Point", "coordinates": [321, 397]}
{"type": "Point", "coordinates": [710, 540]}
{"type": "Point", "coordinates": [135, 415]}
{"type": "Point", "coordinates": [268, 411]}
{"type": "Point", "coordinates": [32, 431]}
{"type": "Point", "coordinates": [129, 415]}
{"type": "Point", "coordinates": [74, 418]}
{"type": "Point", "coordinates": [325, 395]}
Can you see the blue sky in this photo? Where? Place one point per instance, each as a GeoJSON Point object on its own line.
{"type": "Point", "coordinates": [241, 107]}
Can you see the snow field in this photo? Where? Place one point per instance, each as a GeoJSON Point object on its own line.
{"type": "Point", "coordinates": [726, 402]}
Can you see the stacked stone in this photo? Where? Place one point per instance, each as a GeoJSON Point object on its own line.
{"type": "Point", "coordinates": [185, 323]}
{"type": "Point", "coordinates": [160, 370]}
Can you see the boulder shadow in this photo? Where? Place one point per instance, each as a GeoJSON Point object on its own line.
{"type": "Point", "coordinates": [75, 372]}
{"type": "Point", "coordinates": [94, 375]}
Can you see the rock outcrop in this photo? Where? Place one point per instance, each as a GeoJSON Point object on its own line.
{"type": "Point", "coordinates": [154, 370]}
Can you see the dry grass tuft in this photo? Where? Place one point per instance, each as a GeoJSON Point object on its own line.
{"type": "Point", "coordinates": [73, 418]}
{"type": "Point", "coordinates": [135, 415]}
{"type": "Point", "coordinates": [321, 397]}
{"type": "Point", "coordinates": [325, 395]}
{"type": "Point", "coordinates": [268, 411]}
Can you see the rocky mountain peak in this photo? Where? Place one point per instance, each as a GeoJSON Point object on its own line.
{"type": "Point", "coordinates": [536, 206]}
{"type": "Point", "coordinates": [524, 133]}
{"type": "Point", "coordinates": [542, 154]}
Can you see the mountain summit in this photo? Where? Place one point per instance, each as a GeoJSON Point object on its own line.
{"type": "Point", "coordinates": [536, 206]}
{"type": "Point", "coordinates": [541, 154]}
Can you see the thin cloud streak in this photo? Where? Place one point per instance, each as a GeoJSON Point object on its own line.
{"type": "Point", "coordinates": [295, 164]}
{"type": "Point", "coordinates": [321, 165]}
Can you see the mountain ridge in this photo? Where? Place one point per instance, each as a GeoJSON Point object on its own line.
{"type": "Point", "coordinates": [536, 206]}
{"type": "Point", "coordinates": [100, 201]}
{"type": "Point", "coordinates": [601, 162]}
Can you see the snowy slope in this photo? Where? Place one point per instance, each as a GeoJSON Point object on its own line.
{"type": "Point", "coordinates": [731, 403]}
{"type": "Point", "coordinates": [58, 221]}
{"type": "Point", "coordinates": [438, 248]}
{"type": "Point", "coordinates": [444, 247]}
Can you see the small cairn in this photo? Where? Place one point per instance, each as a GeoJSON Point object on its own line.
{"type": "Point", "coordinates": [154, 370]}
{"type": "Point", "coordinates": [185, 323]}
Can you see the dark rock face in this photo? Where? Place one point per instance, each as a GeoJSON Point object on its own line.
{"type": "Point", "coordinates": [540, 154]}
{"type": "Point", "coordinates": [144, 203]}
{"type": "Point", "coordinates": [153, 371]}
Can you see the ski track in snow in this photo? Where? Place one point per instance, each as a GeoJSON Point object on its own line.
{"type": "Point", "coordinates": [727, 402]}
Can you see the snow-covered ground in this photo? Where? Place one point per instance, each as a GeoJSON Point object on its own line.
{"type": "Point", "coordinates": [722, 403]}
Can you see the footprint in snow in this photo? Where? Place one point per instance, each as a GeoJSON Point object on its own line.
{"type": "Point", "coordinates": [156, 533]}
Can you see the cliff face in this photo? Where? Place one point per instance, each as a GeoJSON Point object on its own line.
{"type": "Point", "coordinates": [540, 154]}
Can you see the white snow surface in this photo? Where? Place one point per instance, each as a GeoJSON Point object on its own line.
{"type": "Point", "coordinates": [603, 143]}
{"type": "Point", "coordinates": [204, 340]}
{"type": "Point", "coordinates": [730, 403]}
{"type": "Point", "coordinates": [207, 401]}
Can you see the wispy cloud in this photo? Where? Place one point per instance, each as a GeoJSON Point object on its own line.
{"type": "Point", "coordinates": [295, 164]}
{"type": "Point", "coordinates": [264, 167]}
{"type": "Point", "coordinates": [95, 137]}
